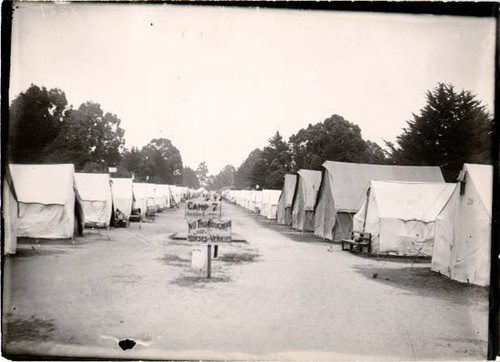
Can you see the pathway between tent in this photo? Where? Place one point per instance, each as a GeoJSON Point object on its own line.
{"type": "Point", "coordinates": [281, 295]}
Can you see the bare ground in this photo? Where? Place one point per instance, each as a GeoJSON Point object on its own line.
{"type": "Point", "coordinates": [281, 295]}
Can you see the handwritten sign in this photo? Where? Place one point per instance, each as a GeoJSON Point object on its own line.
{"type": "Point", "coordinates": [198, 208]}
{"type": "Point", "coordinates": [209, 230]}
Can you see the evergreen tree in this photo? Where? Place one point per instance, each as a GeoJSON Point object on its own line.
{"type": "Point", "coordinates": [451, 129]}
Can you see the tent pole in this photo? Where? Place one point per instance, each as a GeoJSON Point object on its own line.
{"type": "Point", "coordinates": [366, 208]}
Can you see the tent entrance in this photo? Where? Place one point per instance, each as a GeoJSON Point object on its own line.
{"type": "Point", "coordinates": [343, 226]}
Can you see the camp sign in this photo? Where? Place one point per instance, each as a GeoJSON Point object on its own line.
{"type": "Point", "coordinates": [201, 209]}
{"type": "Point", "coordinates": [209, 230]}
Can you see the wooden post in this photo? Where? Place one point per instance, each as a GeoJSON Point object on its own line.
{"type": "Point", "coordinates": [209, 260]}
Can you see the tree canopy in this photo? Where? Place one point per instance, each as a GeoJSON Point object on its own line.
{"type": "Point", "coordinates": [335, 139]}
{"type": "Point", "coordinates": [453, 128]}
{"type": "Point", "coordinates": [43, 128]}
{"type": "Point", "coordinates": [224, 179]}
{"type": "Point", "coordinates": [274, 162]}
{"type": "Point", "coordinates": [243, 177]}
{"type": "Point", "coordinates": [89, 138]}
{"type": "Point", "coordinates": [202, 174]}
{"type": "Point", "coordinates": [157, 162]}
{"type": "Point", "coordinates": [189, 178]}
{"type": "Point", "coordinates": [36, 118]}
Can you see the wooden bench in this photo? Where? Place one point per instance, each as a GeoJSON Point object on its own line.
{"type": "Point", "coordinates": [360, 240]}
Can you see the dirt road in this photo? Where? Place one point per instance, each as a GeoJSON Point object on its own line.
{"type": "Point", "coordinates": [281, 295]}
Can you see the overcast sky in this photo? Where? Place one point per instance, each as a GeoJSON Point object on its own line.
{"type": "Point", "coordinates": [218, 82]}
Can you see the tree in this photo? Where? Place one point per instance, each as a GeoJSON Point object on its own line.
{"type": "Point", "coordinates": [131, 162]}
{"type": "Point", "coordinates": [451, 129]}
{"type": "Point", "coordinates": [375, 154]}
{"type": "Point", "coordinates": [88, 136]}
{"type": "Point", "coordinates": [189, 178]}
{"type": "Point", "coordinates": [336, 139]}
{"type": "Point", "coordinates": [224, 179]}
{"type": "Point", "coordinates": [243, 177]}
{"type": "Point", "coordinates": [202, 173]}
{"type": "Point", "coordinates": [35, 119]}
{"type": "Point", "coordinates": [278, 161]}
{"type": "Point", "coordinates": [161, 162]}
{"type": "Point", "coordinates": [265, 168]}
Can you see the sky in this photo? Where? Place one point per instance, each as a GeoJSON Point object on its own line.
{"type": "Point", "coordinates": [220, 81]}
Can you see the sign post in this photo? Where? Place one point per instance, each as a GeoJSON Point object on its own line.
{"type": "Point", "coordinates": [209, 260]}
{"type": "Point", "coordinates": [206, 225]}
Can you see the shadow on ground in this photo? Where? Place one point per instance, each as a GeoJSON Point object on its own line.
{"type": "Point", "coordinates": [424, 282]}
{"type": "Point", "coordinates": [175, 260]}
{"type": "Point", "coordinates": [239, 258]}
{"type": "Point", "coordinates": [33, 251]}
{"type": "Point", "coordinates": [191, 281]}
{"type": "Point", "coordinates": [295, 235]}
{"type": "Point", "coordinates": [32, 329]}
{"type": "Point", "coordinates": [397, 259]}
{"type": "Point", "coordinates": [80, 240]}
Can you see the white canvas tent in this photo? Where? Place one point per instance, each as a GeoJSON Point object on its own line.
{"type": "Point", "coordinates": [10, 211]}
{"type": "Point", "coordinates": [151, 196]}
{"type": "Point", "coordinates": [401, 216]}
{"type": "Point", "coordinates": [270, 203]}
{"type": "Point", "coordinates": [463, 228]}
{"type": "Point", "coordinates": [46, 199]}
{"type": "Point", "coordinates": [159, 198]}
{"type": "Point", "coordinates": [176, 194]}
{"type": "Point", "coordinates": [123, 195]}
{"type": "Point", "coordinates": [245, 198]}
{"type": "Point", "coordinates": [308, 183]}
{"type": "Point", "coordinates": [284, 210]}
{"type": "Point", "coordinates": [140, 197]}
{"type": "Point", "coordinates": [97, 202]}
{"type": "Point", "coordinates": [256, 200]}
{"type": "Point", "coordinates": [165, 196]}
{"type": "Point", "coordinates": [342, 191]}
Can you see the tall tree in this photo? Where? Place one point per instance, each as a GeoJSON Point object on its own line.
{"type": "Point", "coordinates": [225, 178]}
{"type": "Point", "coordinates": [336, 139]}
{"type": "Point", "coordinates": [35, 119]}
{"type": "Point", "coordinates": [131, 162]}
{"type": "Point", "coordinates": [244, 175]}
{"type": "Point", "coordinates": [88, 136]}
{"type": "Point", "coordinates": [189, 178]}
{"type": "Point", "coordinates": [375, 154]}
{"type": "Point", "coordinates": [161, 162]}
{"type": "Point", "coordinates": [275, 161]}
{"type": "Point", "coordinates": [202, 173]}
{"type": "Point", "coordinates": [452, 128]}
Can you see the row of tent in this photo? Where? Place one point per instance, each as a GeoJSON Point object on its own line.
{"type": "Point", "coordinates": [409, 210]}
{"type": "Point", "coordinates": [55, 202]}
{"type": "Point", "coordinates": [264, 202]}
